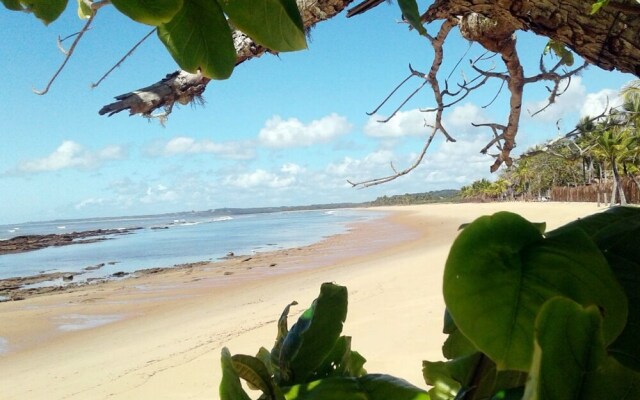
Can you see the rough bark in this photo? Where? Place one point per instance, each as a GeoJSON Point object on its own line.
{"type": "Point", "coordinates": [183, 87]}
{"type": "Point", "coordinates": [610, 39]}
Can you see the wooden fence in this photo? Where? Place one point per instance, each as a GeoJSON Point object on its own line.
{"type": "Point", "coordinates": [596, 192]}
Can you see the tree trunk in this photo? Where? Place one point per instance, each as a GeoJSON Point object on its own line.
{"type": "Point", "coordinates": [610, 39]}
{"type": "Point", "coordinates": [183, 87]}
{"type": "Point", "coordinates": [617, 184]}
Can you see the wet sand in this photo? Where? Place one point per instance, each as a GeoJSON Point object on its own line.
{"type": "Point", "coordinates": [159, 335]}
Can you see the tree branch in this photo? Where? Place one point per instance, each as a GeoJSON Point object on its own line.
{"type": "Point", "coordinates": [147, 100]}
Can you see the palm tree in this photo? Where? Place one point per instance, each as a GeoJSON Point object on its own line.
{"type": "Point", "coordinates": [614, 145]}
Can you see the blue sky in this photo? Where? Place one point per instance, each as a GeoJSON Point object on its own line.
{"type": "Point", "coordinates": [284, 130]}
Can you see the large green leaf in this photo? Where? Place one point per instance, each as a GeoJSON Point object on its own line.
{"type": "Point", "coordinates": [12, 5]}
{"type": "Point", "coordinates": [368, 387]}
{"type": "Point", "coordinates": [283, 330]}
{"type": "Point", "coordinates": [46, 10]}
{"type": "Point", "coordinates": [199, 38]}
{"type": "Point", "coordinates": [150, 12]}
{"type": "Point", "coordinates": [275, 24]}
{"type": "Point", "coordinates": [412, 15]}
{"type": "Point", "coordinates": [617, 233]}
{"type": "Point", "coordinates": [500, 271]}
{"type": "Point", "coordinates": [570, 361]}
{"type": "Point", "coordinates": [314, 335]}
{"type": "Point", "coordinates": [341, 361]}
{"type": "Point", "coordinates": [473, 375]}
{"type": "Point", "coordinates": [230, 387]}
{"type": "Point", "coordinates": [448, 377]}
{"type": "Point", "coordinates": [252, 370]}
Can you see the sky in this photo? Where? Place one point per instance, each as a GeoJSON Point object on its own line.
{"type": "Point", "coordinates": [283, 130]}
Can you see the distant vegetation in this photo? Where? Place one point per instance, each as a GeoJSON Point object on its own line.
{"type": "Point", "coordinates": [601, 152]}
{"type": "Point", "coordinates": [438, 196]}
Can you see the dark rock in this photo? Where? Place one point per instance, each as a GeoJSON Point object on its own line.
{"type": "Point", "coordinates": [20, 244]}
{"type": "Point", "coordinates": [67, 278]}
{"type": "Point", "coordinates": [119, 274]}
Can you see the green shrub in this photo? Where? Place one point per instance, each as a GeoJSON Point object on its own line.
{"type": "Point", "coordinates": [530, 315]}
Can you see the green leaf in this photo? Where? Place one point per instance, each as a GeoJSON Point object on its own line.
{"type": "Point", "coordinates": [199, 38]}
{"type": "Point", "coordinates": [341, 361]}
{"type": "Point", "coordinates": [509, 394]}
{"type": "Point", "coordinates": [560, 50]}
{"type": "Point", "coordinates": [475, 375]}
{"type": "Point", "coordinates": [595, 7]}
{"type": "Point", "coordinates": [456, 345]}
{"type": "Point", "coordinates": [617, 233]}
{"type": "Point", "coordinates": [150, 12]}
{"type": "Point", "coordinates": [275, 24]}
{"type": "Point", "coordinates": [314, 335]}
{"type": "Point", "coordinates": [84, 11]}
{"type": "Point", "coordinates": [13, 5]}
{"type": "Point", "coordinates": [449, 377]}
{"type": "Point", "coordinates": [570, 361]}
{"type": "Point", "coordinates": [410, 12]}
{"type": "Point", "coordinates": [45, 10]}
{"type": "Point", "coordinates": [230, 387]}
{"type": "Point", "coordinates": [368, 387]}
{"type": "Point", "coordinates": [283, 330]}
{"type": "Point", "coordinates": [252, 370]}
{"type": "Point", "coordinates": [500, 271]}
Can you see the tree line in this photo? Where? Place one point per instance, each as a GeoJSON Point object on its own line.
{"type": "Point", "coordinates": [602, 150]}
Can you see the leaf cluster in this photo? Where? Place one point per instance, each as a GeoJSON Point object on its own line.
{"type": "Point", "coordinates": [311, 361]}
{"type": "Point", "coordinates": [534, 315]}
{"type": "Point", "coordinates": [197, 33]}
{"type": "Point", "coordinates": [530, 315]}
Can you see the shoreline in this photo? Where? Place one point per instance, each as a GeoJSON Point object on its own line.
{"type": "Point", "coordinates": [160, 335]}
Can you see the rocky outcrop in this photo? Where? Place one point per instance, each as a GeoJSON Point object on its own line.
{"type": "Point", "coordinates": [20, 244]}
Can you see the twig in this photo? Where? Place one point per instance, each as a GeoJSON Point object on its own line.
{"type": "Point", "coordinates": [129, 53]}
{"type": "Point", "coordinates": [397, 174]}
{"type": "Point", "coordinates": [68, 55]}
{"type": "Point", "coordinates": [392, 93]}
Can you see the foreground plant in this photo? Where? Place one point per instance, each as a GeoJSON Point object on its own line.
{"type": "Point", "coordinates": [530, 315]}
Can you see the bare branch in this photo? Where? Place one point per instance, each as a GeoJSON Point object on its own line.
{"type": "Point", "coordinates": [557, 79]}
{"type": "Point", "coordinates": [392, 93]}
{"type": "Point", "coordinates": [68, 55]}
{"type": "Point", "coordinates": [119, 63]}
{"type": "Point", "coordinates": [397, 174]}
{"type": "Point", "coordinates": [147, 100]}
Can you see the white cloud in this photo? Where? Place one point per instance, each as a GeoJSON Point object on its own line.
{"type": "Point", "coordinates": [568, 102]}
{"type": "Point", "coordinates": [291, 168]}
{"type": "Point", "coordinates": [404, 123]}
{"type": "Point", "coordinates": [92, 201]}
{"type": "Point", "coordinates": [281, 133]}
{"type": "Point", "coordinates": [188, 145]}
{"type": "Point", "coordinates": [458, 121]}
{"type": "Point", "coordinates": [72, 155]}
{"type": "Point", "coordinates": [595, 103]}
{"type": "Point", "coordinates": [260, 178]}
{"type": "Point", "coordinates": [366, 166]}
{"type": "Point", "coordinates": [159, 193]}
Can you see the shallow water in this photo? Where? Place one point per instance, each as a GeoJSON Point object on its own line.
{"type": "Point", "coordinates": [184, 238]}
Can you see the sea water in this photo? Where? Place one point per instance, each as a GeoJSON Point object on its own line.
{"type": "Point", "coordinates": [172, 239]}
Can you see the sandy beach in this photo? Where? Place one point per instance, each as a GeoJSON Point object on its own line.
{"type": "Point", "coordinates": [159, 336]}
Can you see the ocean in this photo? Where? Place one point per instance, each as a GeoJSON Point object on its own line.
{"type": "Point", "coordinates": [172, 239]}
